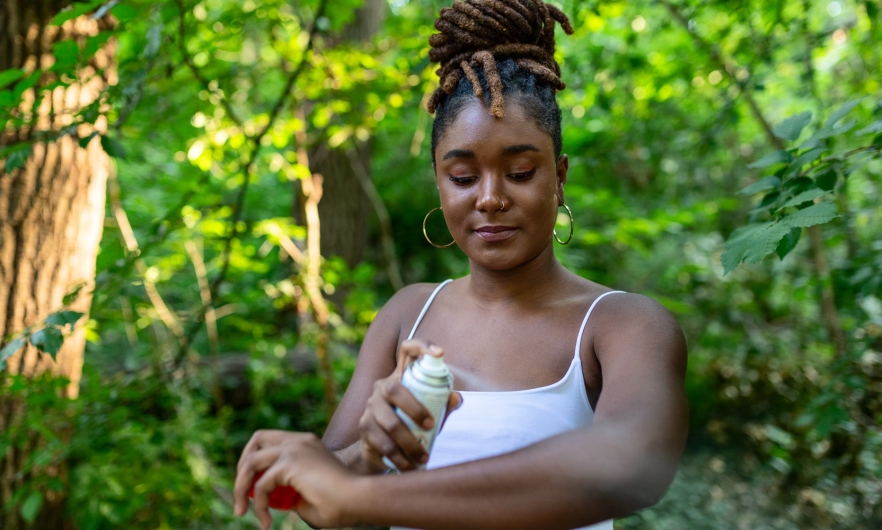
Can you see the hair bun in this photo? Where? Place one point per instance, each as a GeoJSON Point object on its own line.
{"type": "Point", "coordinates": [476, 34]}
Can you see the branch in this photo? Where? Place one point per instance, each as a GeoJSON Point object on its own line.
{"type": "Point", "coordinates": [125, 228]}
{"type": "Point", "coordinates": [195, 252]}
{"type": "Point", "coordinates": [370, 190]}
{"type": "Point", "coordinates": [182, 44]}
{"type": "Point", "coordinates": [829, 311]}
{"type": "Point", "coordinates": [243, 190]}
{"type": "Point", "coordinates": [312, 191]}
{"type": "Point", "coordinates": [274, 113]}
{"type": "Point", "coordinates": [728, 68]}
{"type": "Point", "coordinates": [202, 280]}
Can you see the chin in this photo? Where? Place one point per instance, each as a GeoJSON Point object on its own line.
{"type": "Point", "coordinates": [498, 260]}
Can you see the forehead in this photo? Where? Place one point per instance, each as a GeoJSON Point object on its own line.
{"type": "Point", "coordinates": [477, 130]}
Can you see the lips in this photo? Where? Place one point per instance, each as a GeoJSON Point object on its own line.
{"type": "Point", "coordinates": [495, 234]}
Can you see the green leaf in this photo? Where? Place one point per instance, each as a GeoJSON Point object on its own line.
{"type": "Point", "coordinates": [29, 82]}
{"type": "Point", "coordinates": [48, 340]}
{"type": "Point", "coordinates": [64, 318]}
{"type": "Point", "coordinates": [827, 180]}
{"type": "Point", "coordinates": [751, 244]}
{"type": "Point", "coordinates": [10, 349]}
{"type": "Point", "coordinates": [124, 12]}
{"type": "Point", "coordinates": [843, 110]}
{"type": "Point", "coordinates": [766, 183]}
{"type": "Point", "coordinates": [873, 128]}
{"type": "Point", "coordinates": [808, 195]}
{"type": "Point", "coordinates": [8, 76]}
{"type": "Point", "coordinates": [17, 159]}
{"type": "Point", "coordinates": [73, 11]}
{"type": "Point", "coordinates": [805, 158]}
{"type": "Point", "coordinates": [817, 214]}
{"type": "Point", "coordinates": [84, 142]}
{"type": "Point", "coordinates": [66, 53]}
{"type": "Point", "coordinates": [112, 147]}
{"type": "Point", "coordinates": [790, 128]}
{"type": "Point", "coordinates": [73, 295]}
{"type": "Point", "coordinates": [765, 242]}
{"type": "Point", "coordinates": [6, 99]}
{"type": "Point", "coordinates": [827, 132]}
{"type": "Point", "coordinates": [788, 242]}
{"type": "Point", "coordinates": [31, 507]}
{"type": "Point", "coordinates": [772, 158]}
{"type": "Point", "coordinates": [93, 44]}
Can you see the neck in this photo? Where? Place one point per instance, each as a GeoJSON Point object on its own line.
{"type": "Point", "coordinates": [526, 282]}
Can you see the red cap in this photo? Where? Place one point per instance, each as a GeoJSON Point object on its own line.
{"type": "Point", "coordinates": [281, 498]}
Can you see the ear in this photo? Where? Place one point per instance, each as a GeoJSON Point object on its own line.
{"type": "Point", "coordinates": [563, 166]}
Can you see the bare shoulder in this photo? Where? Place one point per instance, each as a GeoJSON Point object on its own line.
{"type": "Point", "coordinates": [404, 307]}
{"type": "Point", "coordinates": [627, 321]}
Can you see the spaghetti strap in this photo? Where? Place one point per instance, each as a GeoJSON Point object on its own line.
{"type": "Point", "coordinates": [426, 307]}
{"type": "Point", "coordinates": [585, 320]}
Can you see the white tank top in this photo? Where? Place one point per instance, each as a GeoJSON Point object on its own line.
{"type": "Point", "coordinates": [494, 423]}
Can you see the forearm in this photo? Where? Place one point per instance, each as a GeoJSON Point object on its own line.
{"type": "Point", "coordinates": [568, 481]}
{"type": "Point", "coordinates": [353, 457]}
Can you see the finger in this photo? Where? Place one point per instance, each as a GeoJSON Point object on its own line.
{"type": "Point", "coordinates": [262, 490]}
{"type": "Point", "coordinates": [255, 461]}
{"type": "Point", "coordinates": [260, 439]}
{"type": "Point", "coordinates": [397, 395]}
{"type": "Point", "coordinates": [390, 422]}
{"type": "Point", "coordinates": [454, 401]}
{"type": "Point", "coordinates": [410, 351]}
{"type": "Point", "coordinates": [380, 442]}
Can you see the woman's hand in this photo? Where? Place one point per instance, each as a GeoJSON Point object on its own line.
{"type": "Point", "coordinates": [382, 431]}
{"type": "Point", "coordinates": [299, 460]}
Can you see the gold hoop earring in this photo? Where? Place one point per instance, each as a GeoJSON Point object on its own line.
{"type": "Point", "coordinates": [427, 235]}
{"type": "Point", "coordinates": [572, 226]}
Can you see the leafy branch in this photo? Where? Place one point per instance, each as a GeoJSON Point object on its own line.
{"type": "Point", "coordinates": [248, 171]}
{"type": "Point", "coordinates": [47, 337]}
{"type": "Point", "coordinates": [794, 196]}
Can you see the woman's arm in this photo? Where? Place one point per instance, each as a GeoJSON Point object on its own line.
{"type": "Point", "coordinates": [622, 463]}
{"type": "Point", "coordinates": [376, 361]}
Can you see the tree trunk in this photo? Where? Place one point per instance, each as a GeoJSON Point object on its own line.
{"type": "Point", "coordinates": [51, 218]}
{"type": "Point", "coordinates": [345, 209]}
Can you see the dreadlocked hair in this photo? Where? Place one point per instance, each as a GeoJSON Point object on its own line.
{"type": "Point", "coordinates": [488, 48]}
{"type": "Point", "coordinates": [475, 34]}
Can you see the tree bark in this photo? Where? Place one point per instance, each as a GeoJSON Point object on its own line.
{"type": "Point", "coordinates": [345, 209]}
{"type": "Point", "coordinates": [51, 219]}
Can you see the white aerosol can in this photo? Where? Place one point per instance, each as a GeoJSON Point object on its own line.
{"type": "Point", "coordinates": [430, 382]}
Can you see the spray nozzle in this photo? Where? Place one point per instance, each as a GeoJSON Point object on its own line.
{"type": "Point", "coordinates": [433, 366]}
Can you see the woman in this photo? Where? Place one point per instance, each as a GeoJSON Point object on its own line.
{"type": "Point", "coordinates": [561, 420]}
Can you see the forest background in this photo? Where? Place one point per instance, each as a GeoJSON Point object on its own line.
{"type": "Point", "coordinates": [267, 172]}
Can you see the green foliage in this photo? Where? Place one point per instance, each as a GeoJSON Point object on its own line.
{"type": "Point", "coordinates": [662, 126]}
{"type": "Point", "coordinates": [792, 186]}
{"type": "Point", "coordinates": [47, 337]}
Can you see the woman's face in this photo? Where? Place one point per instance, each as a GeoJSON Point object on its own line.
{"type": "Point", "coordinates": [500, 185]}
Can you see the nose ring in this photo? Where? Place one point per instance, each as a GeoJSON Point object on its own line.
{"type": "Point", "coordinates": [503, 207]}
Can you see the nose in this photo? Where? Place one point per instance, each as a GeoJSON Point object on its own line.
{"type": "Point", "coordinates": [491, 195]}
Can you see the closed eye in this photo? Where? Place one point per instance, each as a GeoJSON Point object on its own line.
{"type": "Point", "coordinates": [462, 181]}
{"type": "Point", "coordinates": [523, 176]}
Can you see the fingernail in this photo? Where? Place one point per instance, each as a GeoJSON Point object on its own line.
{"type": "Point", "coordinates": [435, 349]}
{"type": "Point", "coordinates": [424, 459]}
{"type": "Point", "coordinates": [427, 423]}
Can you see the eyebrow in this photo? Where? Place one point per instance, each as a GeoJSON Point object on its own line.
{"type": "Point", "coordinates": [510, 150]}
{"type": "Point", "coordinates": [459, 153]}
{"type": "Point", "coordinates": [518, 149]}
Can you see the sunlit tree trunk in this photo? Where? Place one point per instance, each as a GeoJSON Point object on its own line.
{"type": "Point", "coordinates": [51, 218]}
{"type": "Point", "coordinates": [345, 210]}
